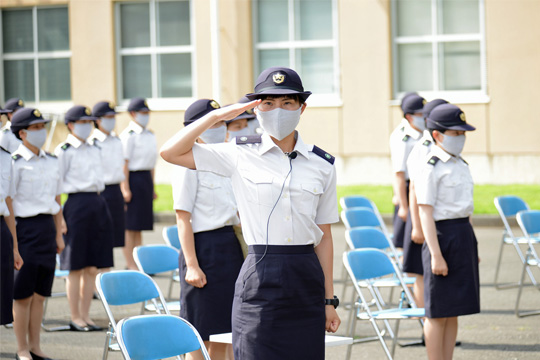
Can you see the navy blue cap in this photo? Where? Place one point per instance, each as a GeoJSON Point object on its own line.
{"type": "Point", "coordinates": [448, 117]}
{"type": "Point", "coordinates": [4, 111]}
{"type": "Point", "coordinates": [25, 117]}
{"type": "Point", "coordinates": [406, 96]}
{"type": "Point", "coordinates": [413, 104]}
{"type": "Point", "coordinates": [103, 108]}
{"type": "Point", "coordinates": [278, 81]}
{"type": "Point", "coordinates": [428, 108]}
{"type": "Point", "coordinates": [138, 104]}
{"type": "Point", "coordinates": [14, 104]}
{"type": "Point", "coordinates": [198, 109]}
{"type": "Point", "coordinates": [79, 112]}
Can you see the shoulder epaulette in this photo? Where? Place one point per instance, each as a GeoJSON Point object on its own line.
{"type": "Point", "coordinates": [5, 130]}
{"type": "Point", "coordinates": [406, 138]}
{"type": "Point", "coordinates": [326, 156]}
{"type": "Point", "coordinates": [50, 154]}
{"type": "Point", "coordinates": [250, 139]}
{"type": "Point", "coordinates": [131, 132]}
{"type": "Point", "coordinates": [16, 157]}
{"type": "Point", "coordinates": [4, 150]}
{"type": "Point", "coordinates": [462, 159]}
{"type": "Point", "coordinates": [426, 143]}
{"type": "Point", "coordinates": [95, 143]}
{"type": "Point", "coordinates": [65, 146]}
{"type": "Point", "coordinates": [433, 160]}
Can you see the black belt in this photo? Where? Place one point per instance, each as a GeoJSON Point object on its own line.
{"type": "Point", "coordinates": [453, 221]}
{"type": "Point", "coordinates": [281, 249]}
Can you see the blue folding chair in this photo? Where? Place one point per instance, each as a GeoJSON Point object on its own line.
{"type": "Point", "coordinates": [529, 222]}
{"type": "Point", "coordinates": [126, 287]}
{"type": "Point", "coordinates": [170, 235]}
{"type": "Point", "coordinates": [369, 265]}
{"type": "Point", "coordinates": [158, 259]}
{"type": "Point", "coordinates": [508, 207]}
{"type": "Point", "coordinates": [352, 201]}
{"type": "Point", "coordinates": [158, 337]}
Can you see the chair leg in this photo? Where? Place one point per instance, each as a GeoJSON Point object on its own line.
{"type": "Point", "coordinates": [497, 267]}
{"type": "Point", "coordinates": [394, 341]}
{"type": "Point", "coordinates": [381, 339]}
{"type": "Point", "coordinates": [107, 344]}
{"type": "Point", "coordinates": [520, 289]}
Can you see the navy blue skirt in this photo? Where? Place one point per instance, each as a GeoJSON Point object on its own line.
{"type": "Point", "coordinates": [220, 258]}
{"type": "Point", "coordinates": [398, 224]}
{"type": "Point", "coordinates": [6, 274]}
{"type": "Point", "coordinates": [115, 202]}
{"type": "Point", "coordinates": [140, 213]}
{"type": "Point", "coordinates": [89, 239]}
{"type": "Point", "coordinates": [278, 309]}
{"type": "Point", "coordinates": [412, 252]}
{"type": "Point", "coordinates": [458, 293]}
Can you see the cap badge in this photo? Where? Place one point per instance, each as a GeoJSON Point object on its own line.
{"type": "Point", "coordinates": [424, 102]}
{"type": "Point", "coordinates": [111, 105]}
{"type": "Point", "coordinates": [37, 113]}
{"type": "Point", "coordinates": [462, 117]}
{"type": "Point", "coordinates": [20, 102]}
{"type": "Point", "coordinates": [145, 103]}
{"type": "Point", "coordinates": [87, 111]}
{"type": "Point", "coordinates": [278, 78]}
{"type": "Point", "coordinates": [214, 104]}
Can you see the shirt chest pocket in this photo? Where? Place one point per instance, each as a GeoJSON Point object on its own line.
{"type": "Point", "coordinates": [31, 182]}
{"type": "Point", "coordinates": [456, 188]}
{"type": "Point", "coordinates": [259, 189]}
{"type": "Point", "coordinates": [310, 198]}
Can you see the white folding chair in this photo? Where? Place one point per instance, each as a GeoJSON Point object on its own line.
{"type": "Point", "coordinates": [529, 222]}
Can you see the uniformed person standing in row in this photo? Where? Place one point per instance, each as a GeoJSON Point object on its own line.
{"type": "Point", "coordinates": [36, 190]}
{"type": "Point", "coordinates": [89, 237]}
{"type": "Point", "coordinates": [401, 144]}
{"type": "Point", "coordinates": [413, 235]}
{"type": "Point", "coordinates": [7, 140]}
{"type": "Point", "coordinates": [286, 195]}
{"type": "Point", "coordinates": [210, 256]}
{"type": "Point", "coordinates": [444, 191]}
{"type": "Point", "coordinates": [140, 154]}
{"type": "Point", "coordinates": [113, 166]}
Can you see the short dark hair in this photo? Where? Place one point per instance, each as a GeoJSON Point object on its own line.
{"type": "Point", "coordinates": [290, 96]}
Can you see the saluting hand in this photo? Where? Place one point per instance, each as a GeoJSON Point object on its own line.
{"type": "Point", "coordinates": [195, 277]}
{"type": "Point", "coordinates": [438, 265]}
{"type": "Point", "coordinates": [332, 319]}
{"type": "Point", "coordinates": [232, 111]}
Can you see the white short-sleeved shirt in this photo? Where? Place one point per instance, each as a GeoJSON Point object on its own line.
{"type": "Point", "coordinates": [35, 183]}
{"type": "Point", "coordinates": [402, 141]}
{"type": "Point", "coordinates": [445, 182]}
{"type": "Point", "coordinates": [8, 140]}
{"type": "Point", "coordinates": [259, 172]}
{"type": "Point", "coordinates": [80, 166]}
{"type": "Point", "coordinates": [207, 196]}
{"type": "Point", "coordinates": [140, 147]}
{"type": "Point", "coordinates": [112, 156]}
{"type": "Point", "coordinates": [418, 156]}
{"type": "Point", "coordinates": [5, 180]}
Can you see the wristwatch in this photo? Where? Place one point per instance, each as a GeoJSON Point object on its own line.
{"type": "Point", "coordinates": [334, 302]}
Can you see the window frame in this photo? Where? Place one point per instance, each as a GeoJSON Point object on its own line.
{"type": "Point", "coordinates": [36, 55]}
{"type": "Point", "coordinates": [315, 100]}
{"type": "Point", "coordinates": [435, 39]}
{"type": "Point", "coordinates": [155, 103]}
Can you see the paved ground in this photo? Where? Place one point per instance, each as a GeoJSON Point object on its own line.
{"type": "Point", "coordinates": [495, 333]}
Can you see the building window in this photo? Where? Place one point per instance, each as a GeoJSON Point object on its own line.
{"type": "Point", "coordinates": [439, 47]}
{"type": "Point", "coordinates": [35, 54]}
{"type": "Point", "coordinates": [300, 34]}
{"type": "Point", "coordinates": [155, 52]}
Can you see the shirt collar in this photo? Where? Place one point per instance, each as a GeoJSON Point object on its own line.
{"type": "Point", "coordinates": [27, 154]}
{"type": "Point", "coordinates": [73, 141]}
{"type": "Point", "coordinates": [411, 132]}
{"type": "Point", "coordinates": [138, 129]}
{"type": "Point", "coordinates": [427, 136]}
{"type": "Point", "coordinates": [267, 144]}
{"type": "Point", "coordinates": [99, 135]}
{"type": "Point", "coordinates": [440, 153]}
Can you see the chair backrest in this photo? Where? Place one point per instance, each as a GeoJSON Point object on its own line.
{"type": "Point", "coordinates": [170, 235]}
{"type": "Point", "coordinates": [366, 237]}
{"type": "Point", "coordinates": [368, 263]}
{"type": "Point", "coordinates": [359, 216]}
{"type": "Point", "coordinates": [347, 202]}
{"type": "Point", "coordinates": [158, 337]}
{"type": "Point", "coordinates": [155, 259]}
{"type": "Point", "coordinates": [508, 206]}
{"type": "Point", "coordinates": [529, 221]}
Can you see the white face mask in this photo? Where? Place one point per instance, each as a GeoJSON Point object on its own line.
{"type": "Point", "coordinates": [453, 144]}
{"type": "Point", "coordinates": [108, 124]}
{"type": "Point", "coordinates": [82, 131]}
{"type": "Point", "coordinates": [215, 135]}
{"type": "Point", "coordinates": [36, 137]}
{"type": "Point", "coordinates": [142, 119]}
{"type": "Point", "coordinates": [242, 132]}
{"type": "Point", "coordinates": [419, 122]}
{"type": "Point", "coordinates": [279, 123]}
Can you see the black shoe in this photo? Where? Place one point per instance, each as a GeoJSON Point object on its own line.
{"type": "Point", "coordinates": [75, 327]}
{"type": "Point", "coordinates": [37, 357]}
{"type": "Point", "coordinates": [94, 327]}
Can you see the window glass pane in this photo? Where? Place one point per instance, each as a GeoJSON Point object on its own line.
{"type": "Point", "coordinates": [54, 80]}
{"type": "Point", "coordinates": [316, 67]}
{"type": "Point", "coordinates": [268, 58]}
{"type": "Point", "coordinates": [175, 75]}
{"type": "Point", "coordinates": [313, 20]}
{"type": "Point", "coordinates": [53, 29]}
{"type": "Point", "coordinates": [413, 17]}
{"type": "Point", "coordinates": [415, 67]}
{"type": "Point", "coordinates": [17, 31]}
{"type": "Point", "coordinates": [273, 18]}
{"type": "Point", "coordinates": [460, 17]}
{"type": "Point", "coordinates": [135, 25]}
{"type": "Point", "coordinates": [136, 76]}
{"type": "Point", "coordinates": [19, 79]}
{"type": "Point", "coordinates": [459, 66]}
{"type": "Point", "coordinates": [173, 23]}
